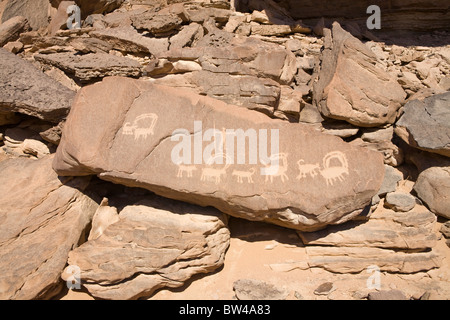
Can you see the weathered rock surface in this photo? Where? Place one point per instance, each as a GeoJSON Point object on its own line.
{"type": "Point", "coordinates": [433, 187]}
{"type": "Point", "coordinates": [249, 289]}
{"type": "Point", "coordinates": [155, 244]}
{"type": "Point", "coordinates": [11, 29]}
{"type": "Point", "coordinates": [354, 260]}
{"type": "Point", "coordinates": [248, 72]}
{"type": "Point", "coordinates": [27, 90]}
{"type": "Point", "coordinates": [157, 24]}
{"type": "Point", "coordinates": [35, 11]}
{"type": "Point", "coordinates": [387, 295]}
{"type": "Point", "coordinates": [127, 39]}
{"type": "Point", "coordinates": [37, 235]}
{"type": "Point", "coordinates": [138, 123]}
{"type": "Point", "coordinates": [350, 80]}
{"type": "Point", "coordinates": [92, 66]}
{"type": "Point", "coordinates": [392, 230]}
{"type": "Point", "coordinates": [426, 124]}
{"type": "Point", "coordinates": [399, 201]}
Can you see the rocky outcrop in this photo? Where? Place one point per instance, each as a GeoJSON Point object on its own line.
{"type": "Point", "coordinates": [426, 124]}
{"type": "Point", "coordinates": [147, 120]}
{"type": "Point", "coordinates": [37, 235]}
{"type": "Point", "coordinates": [155, 244]}
{"type": "Point", "coordinates": [349, 80]}
{"type": "Point", "coordinates": [27, 90]}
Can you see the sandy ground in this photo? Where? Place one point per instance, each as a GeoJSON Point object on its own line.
{"type": "Point", "coordinates": [255, 246]}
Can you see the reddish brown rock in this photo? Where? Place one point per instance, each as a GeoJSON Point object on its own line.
{"type": "Point", "coordinates": [37, 235]}
{"type": "Point", "coordinates": [27, 90]}
{"type": "Point", "coordinates": [351, 80]}
{"type": "Point", "coordinates": [315, 179]}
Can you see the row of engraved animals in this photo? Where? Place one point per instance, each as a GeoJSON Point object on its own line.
{"type": "Point", "coordinates": [329, 172]}
{"type": "Point", "coordinates": [335, 167]}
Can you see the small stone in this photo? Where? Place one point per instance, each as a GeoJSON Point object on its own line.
{"type": "Point", "coordinates": [397, 201]}
{"type": "Point", "coordinates": [324, 289]}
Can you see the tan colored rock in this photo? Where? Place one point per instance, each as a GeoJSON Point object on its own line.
{"type": "Point", "coordinates": [27, 90]}
{"type": "Point", "coordinates": [353, 85]}
{"type": "Point", "coordinates": [11, 29]}
{"type": "Point", "coordinates": [14, 46]}
{"type": "Point", "coordinates": [154, 244]}
{"type": "Point", "coordinates": [391, 230]}
{"type": "Point", "coordinates": [127, 39]}
{"type": "Point", "coordinates": [91, 66]}
{"type": "Point", "coordinates": [156, 23]}
{"type": "Point", "coordinates": [433, 187]}
{"type": "Point", "coordinates": [134, 125]}
{"type": "Point", "coordinates": [37, 235]}
{"type": "Point", "coordinates": [35, 11]}
{"type": "Point", "coordinates": [354, 260]}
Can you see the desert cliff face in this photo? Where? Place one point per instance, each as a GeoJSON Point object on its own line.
{"type": "Point", "coordinates": [218, 150]}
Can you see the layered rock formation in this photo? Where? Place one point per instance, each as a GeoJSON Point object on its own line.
{"type": "Point", "coordinates": [50, 208]}
{"type": "Point", "coordinates": [272, 112]}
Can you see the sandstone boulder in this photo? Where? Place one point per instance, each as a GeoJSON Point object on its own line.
{"type": "Point", "coordinates": [11, 29]}
{"type": "Point", "coordinates": [433, 187]}
{"type": "Point", "coordinates": [426, 124]}
{"type": "Point", "coordinates": [351, 81]}
{"type": "Point", "coordinates": [154, 244]}
{"type": "Point", "coordinates": [37, 235]}
{"type": "Point", "coordinates": [27, 90]}
{"type": "Point", "coordinates": [144, 134]}
{"type": "Point", "coordinates": [92, 66]}
{"type": "Point", "coordinates": [35, 11]}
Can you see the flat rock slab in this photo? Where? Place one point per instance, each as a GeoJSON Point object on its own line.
{"type": "Point", "coordinates": [249, 289]}
{"type": "Point", "coordinates": [352, 85]}
{"type": "Point", "coordinates": [393, 230]}
{"type": "Point", "coordinates": [42, 218]}
{"type": "Point", "coordinates": [10, 30]}
{"type": "Point", "coordinates": [144, 134]}
{"type": "Point", "coordinates": [91, 66]}
{"type": "Point", "coordinates": [27, 90]}
{"type": "Point", "coordinates": [154, 244]}
{"type": "Point", "coordinates": [355, 260]}
{"type": "Point", "coordinates": [426, 124]}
